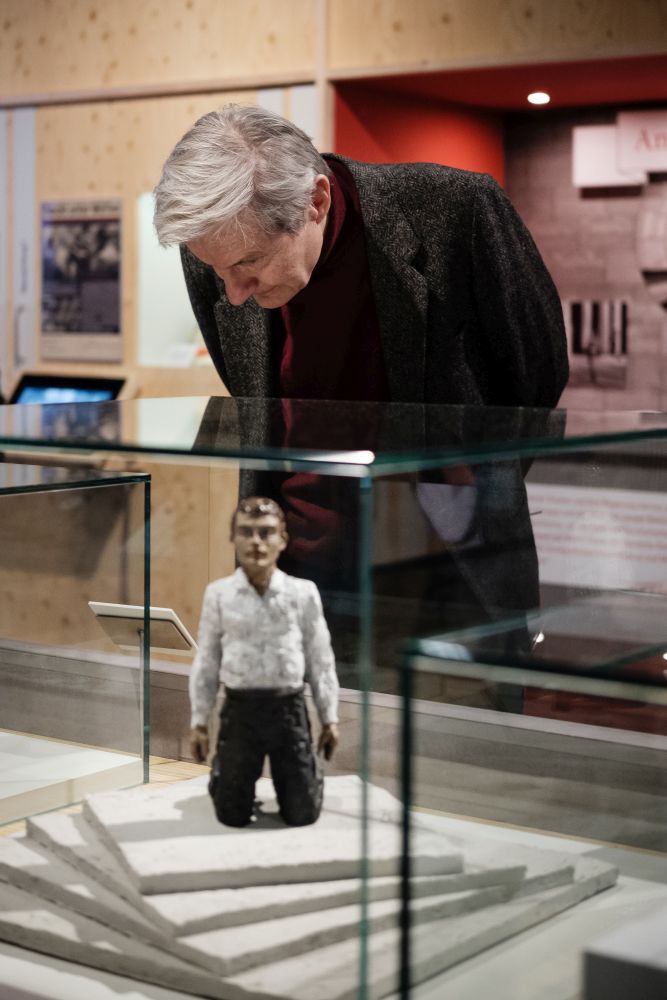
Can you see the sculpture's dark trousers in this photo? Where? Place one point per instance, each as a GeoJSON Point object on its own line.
{"type": "Point", "coordinates": [253, 725]}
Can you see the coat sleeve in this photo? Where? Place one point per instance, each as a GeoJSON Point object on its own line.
{"type": "Point", "coordinates": [519, 310]}
{"type": "Point", "coordinates": [203, 291]}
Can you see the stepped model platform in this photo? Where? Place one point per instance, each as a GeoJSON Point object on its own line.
{"type": "Point", "coordinates": [147, 884]}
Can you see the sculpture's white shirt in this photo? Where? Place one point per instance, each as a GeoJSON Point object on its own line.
{"type": "Point", "coordinates": [275, 640]}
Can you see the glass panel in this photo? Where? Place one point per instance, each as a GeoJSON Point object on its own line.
{"type": "Point", "coordinates": [569, 784]}
{"type": "Point", "coordinates": [383, 436]}
{"type": "Point", "coordinates": [72, 710]}
{"type": "Point", "coordinates": [535, 726]}
{"type": "Point", "coordinates": [519, 552]}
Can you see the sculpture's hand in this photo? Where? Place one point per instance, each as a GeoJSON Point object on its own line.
{"type": "Point", "coordinates": [199, 743]}
{"type": "Point", "coordinates": [328, 740]}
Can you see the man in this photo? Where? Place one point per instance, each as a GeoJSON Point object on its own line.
{"type": "Point", "coordinates": [318, 277]}
{"type": "Point", "coordinates": [263, 633]}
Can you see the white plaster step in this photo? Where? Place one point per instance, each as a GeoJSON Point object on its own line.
{"type": "Point", "coordinates": [544, 869]}
{"type": "Point", "coordinates": [27, 865]}
{"type": "Point", "coordinates": [234, 949]}
{"type": "Point", "coordinates": [73, 839]}
{"type": "Point", "coordinates": [169, 840]}
{"type": "Point", "coordinates": [273, 857]}
{"type": "Point", "coordinates": [527, 869]}
{"type": "Point", "coordinates": [210, 909]}
{"type": "Point", "coordinates": [327, 973]}
{"type": "Point", "coordinates": [332, 972]}
{"type": "Point", "coordinates": [32, 868]}
{"type": "Point", "coordinates": [53, 929]}
{"type": "Point", "coordinates": [188, 802]}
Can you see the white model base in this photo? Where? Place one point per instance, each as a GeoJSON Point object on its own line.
{"type": "Point", "coordinates": [84, 888]}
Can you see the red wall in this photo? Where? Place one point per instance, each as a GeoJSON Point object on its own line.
{"type": "Point", "coordinates": [382, 127]}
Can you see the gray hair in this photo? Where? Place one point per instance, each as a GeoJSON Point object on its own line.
{"type": "Point", "coordinates": [237, 160]}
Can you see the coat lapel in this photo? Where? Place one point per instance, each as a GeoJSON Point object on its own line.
{"type": "Point", "coordinates": [246, 347]}
{"type": "Point", "coordinates": [400, 291]}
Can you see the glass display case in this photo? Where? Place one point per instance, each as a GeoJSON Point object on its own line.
{"type": "Point", "coordinates": [74, 708]}
{"type": "Point", "coordinates": [483, 525]}
{"type": "Point", "coordinates": [570, 763]}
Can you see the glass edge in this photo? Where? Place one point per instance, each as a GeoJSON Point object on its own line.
{"type": "Point", "coordinates": [392, 462]}
{"type": "Point", "coordinates": [599, 684]}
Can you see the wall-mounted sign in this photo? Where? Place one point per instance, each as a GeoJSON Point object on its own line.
{"type": "Point", "coordinates": [81, 300]}
{"type": "Point", "coordinates": [641, 140]}
{"type": "Point", "coordinates": [601, 538]}
{"type": "Point", "coordinates": [594, 159]}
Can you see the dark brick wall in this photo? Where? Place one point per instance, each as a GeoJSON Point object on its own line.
{"type": "Point", "coordinates": [589, 241]}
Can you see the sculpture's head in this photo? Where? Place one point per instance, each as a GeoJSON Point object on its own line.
{"type": "Point", "coordinates": [259, 534]}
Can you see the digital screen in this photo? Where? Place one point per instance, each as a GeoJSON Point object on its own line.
{"type": "Point", "coordinates": [62, 394]}
{"type": "Point", "coordinates": [38, 388]}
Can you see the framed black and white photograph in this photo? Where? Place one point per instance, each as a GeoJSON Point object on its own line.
{"type": "Point", "coordinates": [81, 294]}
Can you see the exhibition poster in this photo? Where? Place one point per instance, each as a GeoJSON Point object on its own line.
{"type": "Point", "coordinates": [81, 295]}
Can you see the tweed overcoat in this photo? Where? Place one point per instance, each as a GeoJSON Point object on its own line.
{"type": "Point", "coordinates": [466, 308]}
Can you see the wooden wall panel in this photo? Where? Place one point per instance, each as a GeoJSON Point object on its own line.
{"type": "Point", "coordinates": [115, 149]}
{"type": "Point", "coordinates": [70, 46]}
{"type": "Point", "coordinates": [392, 33]}
{"type": "Point", "coordinates": [60, 550]}
{"type": "Point", "coordinates": [191, 509]}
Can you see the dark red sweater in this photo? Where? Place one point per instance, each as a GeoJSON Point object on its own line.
{"type": "Point", "coordinates": [327, 347]}
{"type": "Point", "coordinates": [330, 337]}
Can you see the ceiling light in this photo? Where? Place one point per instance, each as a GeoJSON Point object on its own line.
{"type": "Point", "coordinates": [538, 97]}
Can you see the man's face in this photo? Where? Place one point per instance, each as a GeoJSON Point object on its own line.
{"type": "Point", "coordinates": [258, 541]}
{"type": "Point", "coordinates": [270, 269]}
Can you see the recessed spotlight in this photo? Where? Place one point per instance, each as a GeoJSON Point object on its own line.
{"type": "Point", "coordinates": [538, 97]}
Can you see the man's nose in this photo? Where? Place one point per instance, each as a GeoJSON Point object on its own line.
{"type": "Point", "coordinates": [239, 289]}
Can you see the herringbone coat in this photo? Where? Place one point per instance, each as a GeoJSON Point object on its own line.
{"type": "Point", "coordinates": [466, 308]}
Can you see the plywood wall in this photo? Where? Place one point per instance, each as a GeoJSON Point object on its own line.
{"type": "Point", "coordinates": [393, 33]}
{"type": "Point", "coordinates": [60, 48]}
{"type": "Point", "coordinates": [69, 46]}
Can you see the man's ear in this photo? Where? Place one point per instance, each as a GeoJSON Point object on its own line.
{"type": "Point", "coordinates": [321, 197]}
